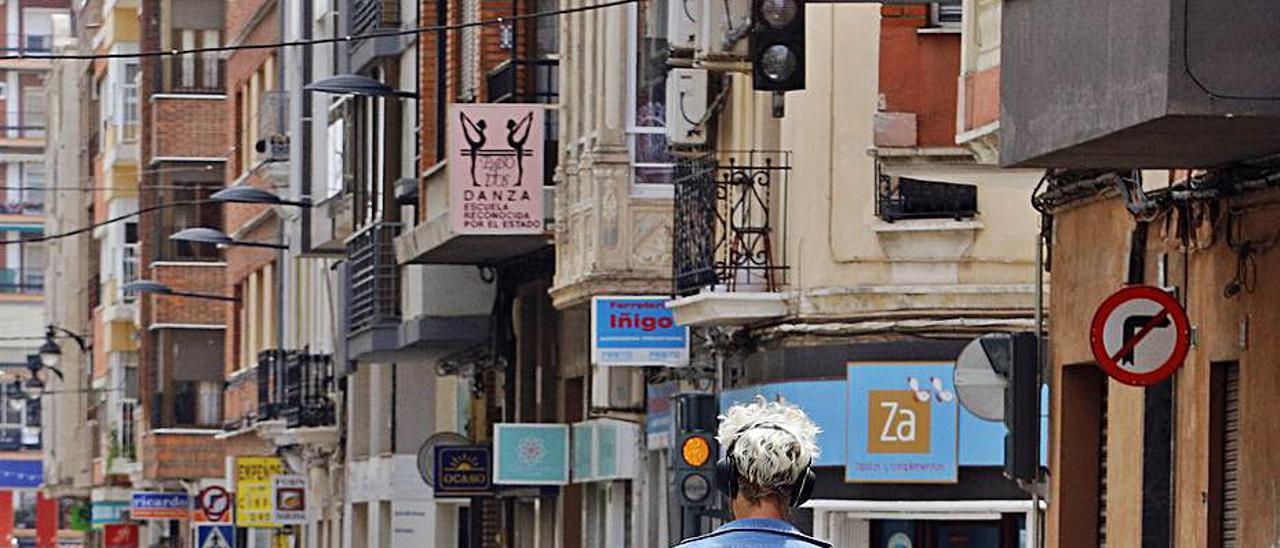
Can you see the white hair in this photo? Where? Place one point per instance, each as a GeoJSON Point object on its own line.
{"type": "Point", "coordinates": [772, 444]}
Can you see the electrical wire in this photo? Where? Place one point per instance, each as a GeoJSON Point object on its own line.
{"type": "Point", "coordinates": [116, 219]}
{"type": "Point", "coordinates": [174, 52]}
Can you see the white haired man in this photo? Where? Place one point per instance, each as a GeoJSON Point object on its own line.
{"type": "Point", "coordinates": [767, 469]}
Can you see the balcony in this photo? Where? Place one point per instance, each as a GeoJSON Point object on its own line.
{"type": "Point", "coordinates": [296, 389]}
{"type": "Point", "coordinates": [372, 290]}
{"type": "Point", "coordinates": [900, 198]}
{"type": "Point", "coordinates": [729, 221]}
{"type": "Point", "coordinates": [195, 74]}
{"type": "Point", "coordinates": [16, 46]}
{"type": "Point", "coordinates": [542, 77]}
{"type": "Point", "coordinates": [1197, 90]}
{"type": "Point", "coordinates": [22, 281]}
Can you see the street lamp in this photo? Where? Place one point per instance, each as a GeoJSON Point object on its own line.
{"type": "Point", "coordinates": [354, 84]}
{"type": "Point", "coordinates": [149, 286]}
{"type": "Point", "coordinates": [251, 195]}
{"type": "Point", "coordinates": [203, 235]}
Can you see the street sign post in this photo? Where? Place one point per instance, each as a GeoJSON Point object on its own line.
{"type": "Point", "coordinates": [215, 536]}
{"type": "Point", "coordinates": [213, 505]}
{"type": "Point", "coordinates": [1140, 335]}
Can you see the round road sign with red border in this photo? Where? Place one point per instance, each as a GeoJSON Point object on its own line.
{"type": "Point", "coordinates": [1140, 335]}
{"type": "Point", "coordinates": [215, 501]}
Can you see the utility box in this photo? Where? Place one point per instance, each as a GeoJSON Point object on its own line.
{"type": "Point", "coordinates": [1138, 83]}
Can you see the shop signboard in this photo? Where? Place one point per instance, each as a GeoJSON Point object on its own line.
{"type": "Point", "coordinates": [639, 331]}
{"type": "Point", "coordinates": [605, 449]}
{"type": "Point", "coordinates": [148, 505]}
{"type": "Point", "coordinates": [903, 423]}
{"type": "Point", "coordinates": [255, 487]}
{"type": "Point", "coordinates": [658, 418]}
{"type": "Point", "coordinates": [496, 168]}
{"type": "Point", "coordinates": [119, 535]}
{"type": "Point", "coordinates": [289, 499]}
{"type": "Point", "coordinates": [530, 454]}
{"type": "Point", "coordinates": [462, 470]}
{"type": "Point", "coordinates": [107, 512]}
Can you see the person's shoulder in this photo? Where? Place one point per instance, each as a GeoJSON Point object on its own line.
{"type": "Point", "coordinates": [756, 537]}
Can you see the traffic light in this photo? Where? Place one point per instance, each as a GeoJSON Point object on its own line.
{"type": "Point", "coordinates": [776, 45]}
{"type": "Point", "coordinates": [694, 456]}
{"type": "Point", "coordinates": [1022, 408]}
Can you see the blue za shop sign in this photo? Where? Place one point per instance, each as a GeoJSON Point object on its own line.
{"type": "Point", "coordinates": [636, 331]}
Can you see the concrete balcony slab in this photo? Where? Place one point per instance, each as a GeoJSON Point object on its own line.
{"type": "Point", "coordinates": [712, 308]}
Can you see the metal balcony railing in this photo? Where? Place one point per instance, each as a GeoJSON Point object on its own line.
{"type": "Point", "coordinates": [18, 44]}
{"type": "Point", "coordinates": [730, 219]}
{"type": "Point", "coordinates": [374, 286]}
{"type": "Point", "coordinates": [903, 198]}
{"type": "Point", "coordinates": [22, 280]}
{"type": "Point", "coordinates": [295, 387]}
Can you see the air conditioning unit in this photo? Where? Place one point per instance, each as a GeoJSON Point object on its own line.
{"type": "Point", "coordinates": [686, 106]}
{"type": "Point", "coordinates": [725, 24]}
{"type": "Point", "coordinates": [684, 22]}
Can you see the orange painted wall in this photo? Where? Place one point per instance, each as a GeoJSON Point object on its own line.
{"type": "Point", "coordinates": [919, 72]}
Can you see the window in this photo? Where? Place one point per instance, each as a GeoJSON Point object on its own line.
{"type": "Point", "coordinates": [4, 91]}
{"type": "Point", "coordinates": [906, 198]}
{"type": "Point", "coordinates": [188, 215]}
{"type": "Point", "coordinates": [33, 110]}
{"type": "Point", "coordinates": [647, 136]}
{"type": "Point", "coordinates": [200, 72]}
{"type": "Point", "coordinates": [947, 16]}
{"type": "Point", "coordinates": [335, 143]}
{"type": "Point", "coordinates": [33, 186]}
{"type": "Point", "coordinates": [129, 114]}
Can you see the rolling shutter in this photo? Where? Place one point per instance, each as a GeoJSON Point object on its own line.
{"type": "Point", "coordinates": [1231, 457]}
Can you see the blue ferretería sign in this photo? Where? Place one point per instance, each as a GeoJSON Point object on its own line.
{"type": "Point", "coordinates": [462, 470]}
{"type": "Point", "coordinates": [902, 423]}
{"type": "Point", "coordinates": [636, 331]}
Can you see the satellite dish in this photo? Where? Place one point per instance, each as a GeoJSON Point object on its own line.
{"type": "Point", "coordinates": [427, 452]}
{"type": "Point", "coordinates": [979, 378]}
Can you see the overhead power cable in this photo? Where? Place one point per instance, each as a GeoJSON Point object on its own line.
{"type": "Point", "coordinates": [116, 219]}
{"type": "Point", "coordinates": [318, 41]}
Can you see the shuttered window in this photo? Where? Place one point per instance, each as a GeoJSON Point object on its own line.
{"type": "Point", "coordinates": [1224, 455]}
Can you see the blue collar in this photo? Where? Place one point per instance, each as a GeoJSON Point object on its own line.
{"type": "Point", "coordinates": [759, 524]}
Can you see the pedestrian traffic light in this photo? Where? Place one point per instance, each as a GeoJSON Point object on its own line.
{"type": "Point", "coordinates": [776, 45]}
{"type": "Point", "coordinates": [1022, 409]}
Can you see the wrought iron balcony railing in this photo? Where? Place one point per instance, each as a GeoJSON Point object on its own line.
{"type": "Point", "coordinates": [730, 216]}
{"type": "Point", "coordinates": [294, 386]}
{"type": "Point", "coordinates": [22, 280]}
{"type": "Point", "coordinates": [374, 283]}
{"type": "Point", "coordinates": [903, 198]}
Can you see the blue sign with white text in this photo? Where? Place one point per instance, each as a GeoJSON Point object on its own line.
{"type": "Point", "coordinates": [903, 423]}
{"type": "Point", "coordinates": [21, 474]}
{"type": "Point", "coordinates": [215, 536]}
{"type": "Point", "coordinates": [636, 331]}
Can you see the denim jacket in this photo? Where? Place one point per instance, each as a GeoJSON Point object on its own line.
{"type": "Point", "coordinates": [755, 533]}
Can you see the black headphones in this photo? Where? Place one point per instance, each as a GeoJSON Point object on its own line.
{"type": "Point", "coordinates": [727, 469]}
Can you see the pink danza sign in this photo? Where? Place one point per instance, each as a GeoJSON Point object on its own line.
{"type": "Point", "coordinates": [496, 168]}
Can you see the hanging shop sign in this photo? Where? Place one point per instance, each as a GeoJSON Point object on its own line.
{"type": "Point", "coordinates": [159, 506]}
{"type": "Point", "coordinates": [530, 454]}
{"type": "Point", "coordinates": [213, 505]}
{"type": "Point", "coordinates": [496, 168]}
{"type": "Point", "coordinates": [289, 499]}
{"type": "Point", "coordinates": [462, 470]}
{"type": "Point", "coordinates": [106, 512]}
{"type": "Point", "coordinates": [636, 331]}
{"type": "Point", "coordinates": [120, 536]}
{"type": "Point", "coordinates": [21, 474]}
{"type": "Point", "coordinates": [903, 422]}
{"type": "Point", "coordinates": [605, 449]}
{"type": "Point", "coordinates": [255, 478]}
{"type": "Point", "coordinates": [1140, 335]}
{"type": "Point", "coordinates": [658, 418]}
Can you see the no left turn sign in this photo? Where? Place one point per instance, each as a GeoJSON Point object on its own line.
{"type": "Point", "coordinates": [1140, 335]}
